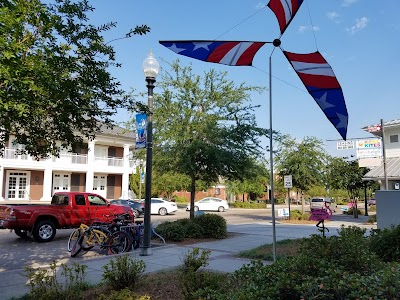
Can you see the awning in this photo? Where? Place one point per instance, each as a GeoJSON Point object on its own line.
{"type": "Point", "coordinates": [392, 170]}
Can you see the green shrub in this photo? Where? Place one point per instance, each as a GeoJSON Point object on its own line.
{"type": "Point", "coordinates": [172, 231]}
{"type": "Point", "coordinates": [214, 226]}
{"type": "Point", "coordinates": [349, 250]}
{"type": "Point", "coordinates": [386, 243]}
{"type": "Point", "coordinates": [351, 211]}
{"type": "Point", "coordinates": [372, 208]}
{"type": "Point", "coordinates": [194, 230]}
{"type": "Point", "coordinates": [193, 278]}
{"type": "Point", "coordinates": [296, 214]}
{"type": "Point", "coordinates": [179, 199]}
{"type": "Point", "coordinates": [124, 294]}
{"type": "Point", "coordinates": [123, 272]}
{"type": "Point", "coordinates": [44, 284]}
{"type": "Point", "coordinates": [239, 204]}
{"type": "Point", "coordinates": [371, 219]}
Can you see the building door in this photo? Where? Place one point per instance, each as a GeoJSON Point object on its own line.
{"type": "Point", "coordinates": [100, 185]}
{"type": "Point", "coordinates": [61, 182]}
{"type": "Point", "coordinates": [17, 187]}
{"type": "Point", "coordinates": [110, 187]}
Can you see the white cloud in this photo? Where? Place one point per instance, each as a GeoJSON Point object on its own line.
{"type": "Point", "coordinates": [360, 25]}
{"type": "Point", "coordinates": [333, 16]}
{"type": "Point", "coordinates": [347, 3]}
{"type": "Point", "coordinates": [303, 28]}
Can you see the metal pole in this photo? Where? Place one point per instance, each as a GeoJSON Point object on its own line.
{"type": "Point", "coordinates": [145, 250]}
{"type": "Point", "coordinates": [288, 196]}
{"type": "Point", "coordinates": [140, 183]}
{"type": "Point", "coordinates": [384, 156]}
{"type": "Point", "coordinates": [271, 158]}
{"type": "Point", "coordinates": [365, 199]}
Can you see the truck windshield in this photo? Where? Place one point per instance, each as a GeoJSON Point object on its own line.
{"type": "Point", "coordinates": [59, 200]}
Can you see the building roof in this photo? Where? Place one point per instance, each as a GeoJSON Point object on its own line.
{"type": "Point", "coordinates": [392, 170]}
{"type": "Point", "coordinates": [116, 131]}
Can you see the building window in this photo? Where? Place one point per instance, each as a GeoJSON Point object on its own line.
{"type": "Point", "coordinates": [394, 138]}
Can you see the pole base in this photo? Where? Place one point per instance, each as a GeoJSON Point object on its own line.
{"type": "Point", "coordinates": [145, 251]}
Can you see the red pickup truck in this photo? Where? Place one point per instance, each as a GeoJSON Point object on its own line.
{"type": "Point", "coordinates": [67, 210]}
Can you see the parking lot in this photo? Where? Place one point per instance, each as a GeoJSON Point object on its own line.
{"type": "Point", "coordinates": [16, 253]}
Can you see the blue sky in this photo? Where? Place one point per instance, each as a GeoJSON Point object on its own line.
{"type": "Point", "coordinates": [358, 38]}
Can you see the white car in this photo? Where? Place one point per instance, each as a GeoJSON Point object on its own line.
{"type": "Point", "coordinates": [162, 207]}
{"type": "Point", "coordinates": [210, 203]}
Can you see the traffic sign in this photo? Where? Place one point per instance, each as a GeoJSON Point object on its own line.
{"type": "Point", "coordinates": [287, 181]}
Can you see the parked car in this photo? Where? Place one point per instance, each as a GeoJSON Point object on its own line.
{"type": "Point", "coordinates": [371, 202]}
{"type": "Point", "coordinates": [162, 207]}
{"type": "Point", "coordinates": [210, 204]}
{"type": "Point", "coordinates": [137, 206]}
{"type": "Point", "coordinates": [320, 202]}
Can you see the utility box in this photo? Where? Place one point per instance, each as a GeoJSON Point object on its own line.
{"type": "Point", "coordinates": [387, 208]}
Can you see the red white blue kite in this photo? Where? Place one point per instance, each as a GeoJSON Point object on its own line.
{"type": "Point", "coordinates": [284, 11]}
{"type": "Point", "coordinates": [320, 81]}
{"type": "Point", "coordinates": [220, 52]}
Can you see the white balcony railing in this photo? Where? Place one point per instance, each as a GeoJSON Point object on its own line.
{"type": "Point", "coordinates": [72, 158]}
{"type": "Point", "coordinates": [109, 161]}
{"type": "Point", "coordinates": [10, 153]}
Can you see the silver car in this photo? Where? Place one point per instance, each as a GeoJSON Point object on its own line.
{"type": "Point", "coordinates": [320, 202]}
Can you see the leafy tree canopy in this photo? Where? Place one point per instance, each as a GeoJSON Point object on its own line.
{"type": "Point", "coordinates": [304, 160]}
{"type": "Point", "coordinates": [54, 83]}
{"type": "Point", "coordinates": [204, 127]}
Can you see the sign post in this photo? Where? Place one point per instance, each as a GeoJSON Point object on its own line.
{"type": "Point", "coordinates": [287, 183]}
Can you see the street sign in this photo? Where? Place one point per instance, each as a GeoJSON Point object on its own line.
{"type": "Point", "coordinates": [142, 177]}
{"type": "Point", "coordinates": [287, 181]}
{"type": "Point", "coordinates": [344, 145]}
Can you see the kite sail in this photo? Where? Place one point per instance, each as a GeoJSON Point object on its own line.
{"type": "Point", "coordinates": [320, 81]}
{"type": "Point", "coordinates": [284, 11]}
{"type": "Point", "coordinates": [221, 52]}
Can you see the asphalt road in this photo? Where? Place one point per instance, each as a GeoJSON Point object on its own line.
{"type": "Point", "coordinates": [17, 253]}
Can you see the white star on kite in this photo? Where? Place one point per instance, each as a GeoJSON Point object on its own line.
{"type": "Point", "coordinates": [323, 103]}
{"type": "Point", "coordinates": [176, 49]}
{"type": "Point", "coordinates": [201, 45]}
{"type": "Point", "coordinates": [343, 121]}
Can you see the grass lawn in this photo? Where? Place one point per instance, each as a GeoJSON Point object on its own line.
{"type": "Point", "coordinates": [284, 248]}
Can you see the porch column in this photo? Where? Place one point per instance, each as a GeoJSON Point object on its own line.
{"type": "Point", "coordinates": [1, 180]}
{"type": "Point", "coordinates": [47, 181]}
{"type": "Point", "coordinates": [125, 174]}
{"type": "Point", "coordinates": [90, 167]}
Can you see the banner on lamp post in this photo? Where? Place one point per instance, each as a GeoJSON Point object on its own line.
{"type": "Point", "coordinates": [141, 136]}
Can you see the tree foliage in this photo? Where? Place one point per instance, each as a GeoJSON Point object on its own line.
{"type": "Point", "coordinates": [304, 160]}
{"type": "Point", "coordinates": [345, 174]}
{"type": "Point", "coordinates": [204, 127]}
{"type": "Point", "coordinates": [54, 78]}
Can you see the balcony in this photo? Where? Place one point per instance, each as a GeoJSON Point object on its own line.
{"type": "Point", "coordinates": [10, 153]}
{"type": "Point", "coordinates": [109, 161]}
{"type": "Point", "coordinates": [71, 158]}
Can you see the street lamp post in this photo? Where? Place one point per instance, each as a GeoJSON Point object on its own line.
{"type": "Point", "coordinates": [150, 68]}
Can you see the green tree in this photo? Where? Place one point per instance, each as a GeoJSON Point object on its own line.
{"type": "Point", "coordinates": [204, 127]}
{"type": "Point", "coordinates": [304, 160]}
{"type": "Point", "coordinates": [167, 183]}
{"type": "Point", "coordinates": [345, 174]}
{"type": "Point", "coordinates": [54, 78]}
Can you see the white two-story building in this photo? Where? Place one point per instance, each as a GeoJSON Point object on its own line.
{"type": "Point", "coordinates": [103, 168]}
{"type": "Point", "coordinates": [392, 148]}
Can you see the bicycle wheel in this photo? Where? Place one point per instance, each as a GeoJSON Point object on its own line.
{"type": "Point", "coordinates": [73, 238]}
{"type": "Point", "coordinates": [77, 247]}
{"type": "Point", "coordinates": [118, 242]}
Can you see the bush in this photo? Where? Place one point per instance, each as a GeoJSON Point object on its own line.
{"type": "Point", "coordinates": [296, 214]}
{"type": "Point", "coordinates": [214, 226]}
{"type": "Point", "coordinates": [371, 219]}
{"type": "Point", "coordinates": [124, 294]}
{"type": "Point", "coordinates": [351, 211]}
{"type": "Point", "coordinates": [239, 204]}
{"type": "Point", "coordinates": [172, 231]}
{"type": "Point", "coordinates": [44, 284]}
{"type": "Point", "coordinates": [123, 272]}
{"type": "Point", "coordinates": [386, 243]}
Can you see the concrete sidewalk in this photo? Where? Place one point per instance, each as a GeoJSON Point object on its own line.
{"type": "Point", "coordinates": [13, 282]}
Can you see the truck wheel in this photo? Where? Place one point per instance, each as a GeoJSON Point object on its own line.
{"type": "Point", "coordinates": [21, 233]}
{"type": "Point", "coordinates": [44, 231]}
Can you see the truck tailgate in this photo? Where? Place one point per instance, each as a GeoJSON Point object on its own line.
{"type": "Point", "coordinates": [4, 212]}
